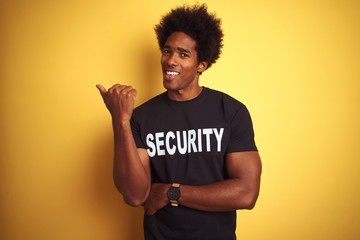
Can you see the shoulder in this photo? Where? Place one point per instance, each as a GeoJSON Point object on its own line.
{"type": "Point", "coordinates": [229, 104]}
{"type": "Point", "coordinates": [149, 105]}
{"type": "Point", "coordinates": [223, 96]}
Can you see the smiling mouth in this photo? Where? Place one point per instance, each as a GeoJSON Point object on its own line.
{"type": "Point", "coordinates": [172, 73]}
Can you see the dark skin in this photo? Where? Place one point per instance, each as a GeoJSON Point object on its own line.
{"type": "Point", "coordinates": [181, 71]}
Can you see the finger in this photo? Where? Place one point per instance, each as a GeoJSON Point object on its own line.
{"type": "Point", "coordinates": [101, 89]}
{"type": "Point", "coordinates": [117, 85]}
{"type": "Point", "coordinates": [134, 93]}
{"type": "Point", "coordinates": [117, 88]}
{"type": "Point", "coordinates": [149, 212]}
{"type": "Point", "coordinates": [128, 90]}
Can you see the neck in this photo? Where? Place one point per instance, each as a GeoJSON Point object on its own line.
{"type": "Point", "coordinates": [184, 95]}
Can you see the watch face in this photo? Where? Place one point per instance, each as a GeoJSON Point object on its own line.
{"type": "Point", "coordinates": [174, 193]}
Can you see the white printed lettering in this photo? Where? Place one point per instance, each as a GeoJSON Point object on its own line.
{"type": "Point", "coordinates": [208, 132]}
{"type": "Point", "coordinates": [199, 140]}
{"type": "Point", "coordinates": [170, 150]}
{"type": "Point", "coordinates": [151, 145]}
{"type": "Point", "coordinates": [183, 142]}
{"type": "Point", "coordinates": [182, 150]}
{"type": "Point", "coordinates": [159, 143]}
{"type": "Point", "coordinates": [191, 140]}
{"type": "Point", "coordinates": [218, 138]}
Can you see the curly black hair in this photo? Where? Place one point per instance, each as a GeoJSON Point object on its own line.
{"type": "Point", "coordinates": [195, 21]}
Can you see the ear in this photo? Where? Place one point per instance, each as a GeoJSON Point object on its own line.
{"type": "Point", "coordinates": [202, 67]}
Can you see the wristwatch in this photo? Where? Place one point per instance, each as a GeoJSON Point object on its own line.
{"type": "Point", "coordinates": [174, 194]}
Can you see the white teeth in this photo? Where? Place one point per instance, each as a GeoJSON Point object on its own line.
{"type": "Point", "coordinates": [172, 73]}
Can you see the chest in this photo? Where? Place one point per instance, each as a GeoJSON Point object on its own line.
{"type": "Point", "coordinates": [184, 131]}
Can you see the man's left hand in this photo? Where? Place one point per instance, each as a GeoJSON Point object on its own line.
{"type": "Point", "coordinates": [157, 198]}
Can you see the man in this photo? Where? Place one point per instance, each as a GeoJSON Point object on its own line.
{"type": "Point", "coordinates": [188, 155]}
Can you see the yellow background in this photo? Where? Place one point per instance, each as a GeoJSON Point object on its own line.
{"type": "Point", "coordinates": [295, 64]}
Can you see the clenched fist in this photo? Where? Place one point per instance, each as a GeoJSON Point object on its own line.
{"type": "Point", "coordinates": [119, 100]}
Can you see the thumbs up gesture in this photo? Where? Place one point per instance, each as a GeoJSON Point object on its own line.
{"type": "Point", "coordinates": [120, 101]}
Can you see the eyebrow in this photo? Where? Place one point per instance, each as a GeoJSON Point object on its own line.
{"type": "Point", "coordinates": [183, 50]}
{"type": "Point", "coordinates": [179, 49]}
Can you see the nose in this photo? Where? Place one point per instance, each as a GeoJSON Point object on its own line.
{"type": "Point", "coordinates": [172, 60]}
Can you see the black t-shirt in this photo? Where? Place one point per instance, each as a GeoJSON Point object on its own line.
{"type": "Point", "coordinates": [187, 143]}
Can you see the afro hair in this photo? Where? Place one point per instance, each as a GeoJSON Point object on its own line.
{"type": "Point", "coordinates": [195, 21]}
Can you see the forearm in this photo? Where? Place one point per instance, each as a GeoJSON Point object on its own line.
{"type": "Point", "coordinates": [228, 195]}
{"type": "Point", "coordinates": [223, 196]}
{"type": "Point", "coordinates": [130, 175]}
{"type": "Point", "coordinates": [240, 191]}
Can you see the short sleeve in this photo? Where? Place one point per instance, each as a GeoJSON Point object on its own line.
{"type": "Point", "coordinates": [136, 131]}
{"type": "Point", "coordinates": [241, 132]}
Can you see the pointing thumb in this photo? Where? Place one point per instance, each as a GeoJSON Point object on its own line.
{"type": "Point", "coordinates": [101, 89]}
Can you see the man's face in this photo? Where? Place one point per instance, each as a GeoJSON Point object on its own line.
{"type": "Point", "coordinates": [180, 64]}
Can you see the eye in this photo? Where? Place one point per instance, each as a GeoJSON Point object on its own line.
{"type": "Point", "coordinates": [165, 51]}
{"type": "Point", "coordinates": [184, 55]}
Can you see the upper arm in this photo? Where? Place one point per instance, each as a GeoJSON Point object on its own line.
{"type": "Point", "coordinates": [245, 166]}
